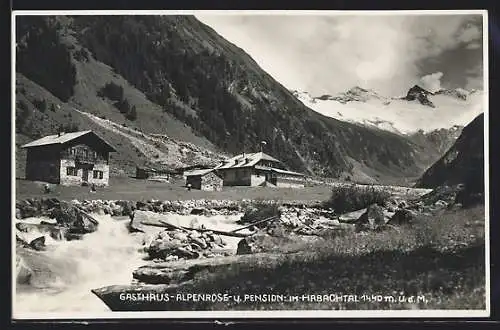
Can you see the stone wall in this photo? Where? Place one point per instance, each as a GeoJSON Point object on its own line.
{"type": "Point", "coordinates": [105, 177]}
{"type": "Point", "coordinates": [78, 178]}
{"type": "Point", "coordinates": [211, 182]}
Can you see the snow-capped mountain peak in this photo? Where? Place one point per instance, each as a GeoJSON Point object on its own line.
{"type": "Point", "coordinates": [420, 109]}
{"type": "Point", "coordinates": [459, 93]}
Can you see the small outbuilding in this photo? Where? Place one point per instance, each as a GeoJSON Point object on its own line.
{"type": "Point", "coordinates": [154, 174]}
{"type": "Point", "coordinates": [142, 172]}
{"type": "Point", "coordinates": [205, 179]}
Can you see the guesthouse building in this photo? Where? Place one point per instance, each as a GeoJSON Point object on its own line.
{"type": "Point", "coordinates": [258, 169]}
{"type": "Point", "coordinates": [76, 158]}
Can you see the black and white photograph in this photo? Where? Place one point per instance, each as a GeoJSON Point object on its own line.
{"type": "Point", "coordinates": [250, 164]}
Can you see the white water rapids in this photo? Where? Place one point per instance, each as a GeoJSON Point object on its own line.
{"type": "Point", "coordinates": [105, 257]}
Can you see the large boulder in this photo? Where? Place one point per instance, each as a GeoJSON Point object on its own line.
{"type": "Point", "coordinates": [444, 193]}
{"type": "Point", "coordinates": [351, 217]}
{"type": "Point", "coordinates": [23, 272]}
{"type": "Point", "coordinates": [162, 247]}
{"type": "Point", "coordinates": [76, 222]}
{"type": "Point", "coordinates": [152, 218]}
{"type": "Point", "coordinates": [276, 229]}
{"type": "Point", "coordinates": [55, 231]}
{"type": "Point", "coordinates": [30, 240]}
{"type": "Point", "coordinates": [127, 207]}
{"type": "Point", "coordinates": [27, 209]}
{"type": "Point", "coordinates": [49, 203]}
{"type": "Point", "coordinates": [38, 244]}
{"type": "Point", "coordinates": [154, 275]}
{"type": "Point", "coordinates": [372, 218]}
{"type": "Point", "coordinates": [260, 242]}
{"type": "Point", "coordinates": [198, 211]}
{"type": "Point", "coordinates": [183, 244]}
{"type": "Point", "coordinates": [144, 206]}
{"type": "Point", "coordinates": [166, 245]}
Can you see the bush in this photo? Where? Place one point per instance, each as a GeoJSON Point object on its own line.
{"type": "Point", "coordinates": [112, 91]}
{"type": "Point", "coordinates": [123, 106]}
{"type": "Point", "coordinates": [352, 198]}
{"type": "Point", "coordinates": [132, 114]}
{"type": "Point", "coordinates": [259, 210]}
{"type": "Point", "coordinates": [468, 198]}
{"type": "Point", "coordinates": [40, 104]}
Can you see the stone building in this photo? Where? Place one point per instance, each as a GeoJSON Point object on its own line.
{"type": "Point", "coordinates": [206, 180]}
{"type": "Point", "coordinates": [76, 158]}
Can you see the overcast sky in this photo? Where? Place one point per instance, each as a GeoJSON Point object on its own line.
{"type": "Point", "coordinates": [330, 54]}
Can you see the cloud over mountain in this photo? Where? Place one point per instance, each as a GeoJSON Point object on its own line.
{"type": "Point", "coordinates": [431, 82]}
{"type": "Point", "coordinates": [330, 54]}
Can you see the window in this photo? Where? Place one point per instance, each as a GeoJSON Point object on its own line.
{"type": "Point", "coordinates": [98, 174]}
{"type": "Point", "coordinates": [71, 171]}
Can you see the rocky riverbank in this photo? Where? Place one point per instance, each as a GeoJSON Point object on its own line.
{"type": "Point", "coordinates": [45, 206]}
{"type": "Point", "coordinates": [173, 236]}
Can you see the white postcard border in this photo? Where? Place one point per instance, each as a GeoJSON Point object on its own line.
{"type": "Point", "coordinates": [261, 314]}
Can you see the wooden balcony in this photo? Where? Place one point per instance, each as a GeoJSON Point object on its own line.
{"type": "Point", "coordinates": [85, 159]}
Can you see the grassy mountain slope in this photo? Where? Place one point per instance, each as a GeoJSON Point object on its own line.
{"type": "Point", "coordinates": [185, 81]}
{"type": "Point", "coordinates": [39, 113]}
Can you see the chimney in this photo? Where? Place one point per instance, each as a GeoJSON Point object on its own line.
{"type": "Point", "coordinates": [262, 144]}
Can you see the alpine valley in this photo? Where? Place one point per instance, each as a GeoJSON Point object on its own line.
{"type": "Point", "coordinates": [169, 91]}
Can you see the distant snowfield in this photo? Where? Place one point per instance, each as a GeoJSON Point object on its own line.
{"type": "Point", "coordinates": [401, 116]}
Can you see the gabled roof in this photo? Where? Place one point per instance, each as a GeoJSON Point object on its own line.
{"type": "Point", "coordinates": [246, 160]}
{"type": "Point", "coordinates": [198, 172]}
{"type": "Point", "coordinates": [62, 139]}
{"type": "Point", "coordinates": [278, 170]}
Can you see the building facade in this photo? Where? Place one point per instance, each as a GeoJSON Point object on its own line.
{"type": "Point", "coordinates": [258, 169]}
{"type": "Point", "coordinates": [206, 180]}
{"type": "Point", "coordinates": [76, 158]}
